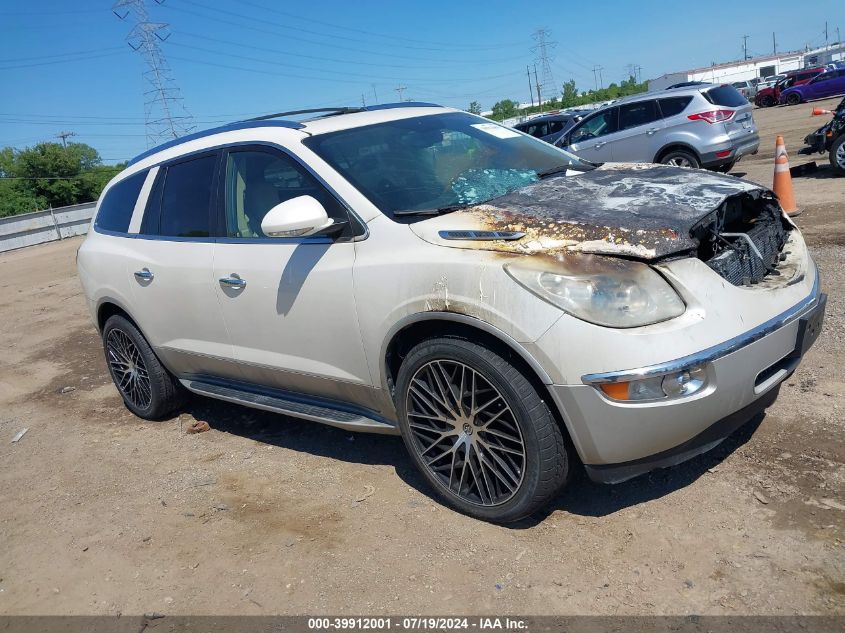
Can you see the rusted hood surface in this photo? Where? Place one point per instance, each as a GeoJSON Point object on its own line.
{"type": "Point", "coordinates": [643, 211]}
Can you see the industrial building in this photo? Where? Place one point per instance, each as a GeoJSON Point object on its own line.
{"type": "Point", "coordinates": [744, 70]}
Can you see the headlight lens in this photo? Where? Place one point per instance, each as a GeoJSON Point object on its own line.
{"type": "Point", "coordinates": [602, 290]}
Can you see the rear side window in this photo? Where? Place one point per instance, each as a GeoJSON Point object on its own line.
{"type": "Point", "coordinates": [118, 204]}
{"type": "Point", "coordinates": [636, 114]}
{"type": "Point", "coordinates": [181, 200]}
{"type": "Point", "coordinates": [726, 96]}
{"type": "Point", "coordinates": [673, 105]}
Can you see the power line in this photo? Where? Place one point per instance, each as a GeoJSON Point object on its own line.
{"type": "Point", "coordinates": [298, 30]}
{"type": "Point", "coordinates": [346, 29]}
{"type": "Point", "coordinates": [265, 23]}
{"type": "Point", "coordinates": [164, 110]}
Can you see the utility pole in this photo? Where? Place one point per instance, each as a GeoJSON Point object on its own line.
{"type": "Point", "coordinates": [375, 96]}
{"type": "Point", "coordinates": [363, 103]}
{"type": "Point", "coordinates": [64, 136]}
{"type": "Point", "coordinates": [399, 89]}
{"type": "Point", "coordinates": [544, 57]}
{"type": "Point", "coordinates": [774, 44]}
{"type": "Point", "coordinates": [639, 74]}
{"type": "Point", "coordinates": [745, 46]}
{"type": "Point", "coordinates": [825, 34]}
{"type": "Point", "coordinates": [165, 114]}
{"type": "Point", "coordinates": [530, 89]}
{"type": "Point", "coordinates": [537, 86]}
{"type": "Point", "coordinates": [598, 81]}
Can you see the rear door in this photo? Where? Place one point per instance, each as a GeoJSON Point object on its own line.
{"type": "Point", "coordinates": [589, 139]}
{"type": "Point", "coordinates": [170, 270]}
{"type": "Point", "coordinates": [638, 138]}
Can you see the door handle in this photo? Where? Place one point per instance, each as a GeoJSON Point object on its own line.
{"type": "Point", "coordinates": [652, 131]}
{"type": "Point", "coordinates": [233, 281]}
{"type": "Point", "coordinates": [144, 275]}
{"type": "Point", "coordinates": [598, 145]}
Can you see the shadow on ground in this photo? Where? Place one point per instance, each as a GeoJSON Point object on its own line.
{"type": "Point", "coordinates": [582, 497]}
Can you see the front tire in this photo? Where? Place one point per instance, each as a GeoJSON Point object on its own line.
{"type": "Point", "coordinates": [793, 99]}
{"type": "Point", "coordinates": [837, 155]}
{"type": "Point", "coordinates": [767, 102]}
{"type": "Point", "coordinates": [147, 388]}
{"type": "Point", "coordinates": [478, 431]}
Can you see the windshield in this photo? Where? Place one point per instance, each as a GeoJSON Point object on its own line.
{"type": "Point", "coordinates": [439, 162]}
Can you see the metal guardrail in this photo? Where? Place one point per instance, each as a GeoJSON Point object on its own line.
{"type": "Point", "coordinates": [29, 229]}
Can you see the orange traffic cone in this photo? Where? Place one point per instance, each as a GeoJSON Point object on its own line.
{"type": "Point", "coordinates": [820, 111]}
{"type": "Point", "coordinates": [783, 179]}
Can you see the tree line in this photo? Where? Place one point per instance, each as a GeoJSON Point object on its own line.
{"type": "Point", "coordinates": [569, 97]}
{"type": "Point", "coordinates": [50, 174]}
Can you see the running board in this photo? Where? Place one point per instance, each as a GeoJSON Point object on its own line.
{"type": "Point", "coordinates": [316, 412]}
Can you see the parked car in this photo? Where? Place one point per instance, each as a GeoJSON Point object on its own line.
{"type": "Point", "coordinates": [746, 88]}
{"type": "Point", "coordinates": [550, 127]}
{"type": "Point", "coordinates": [771, 96]}
{"type": "Point", "coordinates": [703, 126]}
{"type": "Point", "coordinates": [830, 83]}
{"type": "Point", "coordinates": [830, 138]}
{"type": "Point", "coordinates": [503, 305]}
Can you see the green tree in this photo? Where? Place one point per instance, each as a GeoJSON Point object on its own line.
{"type": "Point", "coordinates": [474, 108]}
{"type": "Point", "coordinates": [50, 174]}
{"type": "Point", "coordinates": [505, 109]}
{"type": "Point", "coordinates": [569, 96]}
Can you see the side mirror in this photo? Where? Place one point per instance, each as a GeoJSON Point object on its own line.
{"type": "Point", "coordinates": [296, 217]}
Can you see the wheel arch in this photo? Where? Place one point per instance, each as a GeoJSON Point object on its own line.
{"type": "Point", "coordinates": [416, 328]}
{"type": "Point", "coordinates": [675, 145]}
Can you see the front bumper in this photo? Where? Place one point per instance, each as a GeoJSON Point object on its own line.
{"type": "Point", "coordinates": [622, 439]}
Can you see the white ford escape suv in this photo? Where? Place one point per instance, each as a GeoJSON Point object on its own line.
{"type": "Point", "coordinates": [506, 307]}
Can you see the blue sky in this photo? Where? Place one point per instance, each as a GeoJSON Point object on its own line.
{"type": "Point", "coordinates": [66, 66]}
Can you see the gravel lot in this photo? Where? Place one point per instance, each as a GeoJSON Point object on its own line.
{"type": "Point", "coordinates": [103, 513]}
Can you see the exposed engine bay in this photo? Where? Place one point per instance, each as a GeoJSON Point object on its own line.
{"type": "Point", "coordinates": [743, 239]}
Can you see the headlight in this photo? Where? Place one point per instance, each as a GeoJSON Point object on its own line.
{"type": "Point", "coordinates": [602, 290]}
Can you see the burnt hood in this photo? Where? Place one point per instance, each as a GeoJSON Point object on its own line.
{"type": "Point", "coordinates": [636, 210]}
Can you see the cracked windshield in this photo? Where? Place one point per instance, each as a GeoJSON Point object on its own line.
{"type": "Point", "coordinates": [433, 164]}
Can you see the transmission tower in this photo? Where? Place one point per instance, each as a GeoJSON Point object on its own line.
{"type": "Point", "coordinates": [165, 114]}
{"type": "Point", "coordinates": [542, 49]}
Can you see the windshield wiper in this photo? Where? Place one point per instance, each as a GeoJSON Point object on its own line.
{"type": "Point", "coordinates": [560, 169]}
{"type": "Point", "coordinates": [438, 211]}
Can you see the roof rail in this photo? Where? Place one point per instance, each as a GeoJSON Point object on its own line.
{"type": "Point", "coordinates": [330, 111]}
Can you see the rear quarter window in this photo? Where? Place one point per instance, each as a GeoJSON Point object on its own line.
{"type": "Point", "coordinates": [726, 96]}
{"type": "Point", "coordinates": [118, 204]}
{"type": "Point", "coordinates": [673, 105]}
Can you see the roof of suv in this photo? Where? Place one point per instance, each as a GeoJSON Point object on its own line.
{"type": "Point", "coordinates": [330, 119]}
{"type": "Point", "coordinates": [663, 94]}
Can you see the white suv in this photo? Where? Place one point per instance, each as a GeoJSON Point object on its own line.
{"type": "Point", "coordinates": [506, 307]}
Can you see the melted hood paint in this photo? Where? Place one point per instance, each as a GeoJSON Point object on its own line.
{"type": "Point", "coordinates": [637, 210]}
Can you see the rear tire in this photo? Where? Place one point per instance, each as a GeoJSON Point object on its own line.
{"type": "Point", "coordinates": [147, 388]}
{"type": "Point", "coordinates": [767, 102]}
{"type": "Point", "coordinates": [478, 430]}
{"type": "Point", "coordinates": [681, 158]}
{"type": "Point", "coordinates": [793, 99]}
{"type": "Point", "coordinates": [837, 155]}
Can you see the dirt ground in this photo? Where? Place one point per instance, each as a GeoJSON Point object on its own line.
{"type": "Point", "coordinates": [103, 513]}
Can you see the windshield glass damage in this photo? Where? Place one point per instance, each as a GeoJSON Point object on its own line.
{"type": "Point", "coordinates": [422, 166]}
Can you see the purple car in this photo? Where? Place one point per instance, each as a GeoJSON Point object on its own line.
{"type": "Point", "coordinates": [828, 84]}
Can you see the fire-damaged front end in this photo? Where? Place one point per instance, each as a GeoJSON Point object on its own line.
{"type": "Point", "coordinates": [686, 298]}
